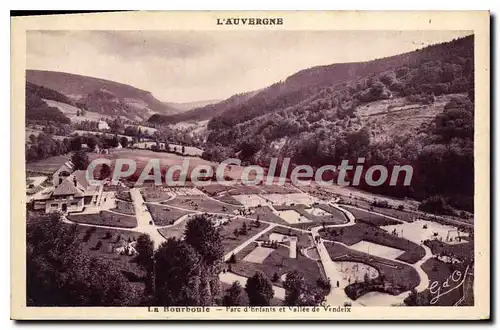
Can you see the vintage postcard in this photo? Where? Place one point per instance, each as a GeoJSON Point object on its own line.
{"type": "Point", "coordinates": [251, 165]}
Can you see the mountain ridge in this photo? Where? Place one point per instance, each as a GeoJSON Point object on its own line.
{"type": "Point", "coordinates": [79, 87]}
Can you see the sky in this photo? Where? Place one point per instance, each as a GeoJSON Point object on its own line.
{"type": "Point", "coordinates": [186, 66]}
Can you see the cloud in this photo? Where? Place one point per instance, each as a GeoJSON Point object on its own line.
{"type": "Point", "coordinates": [200, 65]}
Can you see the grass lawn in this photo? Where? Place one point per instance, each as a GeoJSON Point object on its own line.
{"type": "Point", "coordinates": [155, 194]}
{"type": "Point", "coordinates": [105, 218]}
{"type": "Point", "coordinates": [47, 165]}
{"type": "Point", "coordinates": [230, 241]}
{"type": "Point", "coordinates": [264, 213]}
{"type": "Point", "coordinates": [394, 276]}
{"type": "Point", "coordinates": [214, 189]}
{"type": "Point", "coordinates": [362, 232]}
{"type": "Point", "coordinates": [278, 262]}
{"type": "Point", "coordinates": [124, 207]}
{"type": "Point", "coordinates": [201, 203]}
{"type": "Point", "coordinates": [228, 199]}
{"type": "Point", "coordinates": [244, 190]}
{"type": "Point", "coordinates": [336, 213]}
{"type": "Point", "coordinates": [124, 195]}
{"type": "Point", "coordinates": [163, 215]}
{"type": "Point", "coordinates": [176, 230]}
{"type": "Point", "coordinates": [370, 218]}
{"type": "Point", "coordinates": [462, 251]}
{"type": "Point", "coordinates": [277, 189]}
{"type": "Point", "coordinates": [441, 272]}
{"type": "Point", "coordinates": [111, 239]}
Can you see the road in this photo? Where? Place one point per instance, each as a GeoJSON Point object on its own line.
{"type": "Point", "coordinates": [145, 222]}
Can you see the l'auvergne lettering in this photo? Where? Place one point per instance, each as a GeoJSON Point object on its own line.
{"type": "Point", "coordinates": [250, 21]}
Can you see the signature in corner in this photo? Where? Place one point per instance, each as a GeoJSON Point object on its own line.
{"type": "Point", "coordinates": [454, 281]}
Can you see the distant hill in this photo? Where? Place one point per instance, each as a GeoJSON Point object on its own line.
{"type": "Point", "coordinates": [187, 106]}
{"type": "Point", "coordinates": [204, 112]}
{"type": "Point", "coordinates": [103, 96]}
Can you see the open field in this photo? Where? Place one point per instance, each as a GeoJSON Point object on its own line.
{"type": "Point", "coordinates": [47, 165]}
{"type": "Point", "coordinates": [394, 277]}
{"type": "Point", "coordinates": [163, 215]}
{"type": "Point", "coordinates": [370, 218]}
{"type": "Point", "coordinates": [201, 203]}
{"type": "Point", "coordinates": [362, 232]}
{"type": "Point", "coordinates": [141, 157]}
{"type": "Point", "coordinates": [105, 218]}
{"type": "Point", "coordinates": [124, 207]}
{"type": "Point", "coordinates": [188, 151]}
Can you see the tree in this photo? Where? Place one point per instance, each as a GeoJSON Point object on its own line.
{"type": "Point", "coordinates": [183, 150]}
{"type": "Point", "coordinates": [80, 159]}
{"type": "Point", "coordinates": [91, 142]}
{"type": "Point", "coordinates": [60, 273]}
{"type": "Point", "coordinates": [232, 259]}
{"type": "Point", "coordinates": [104, 172]}
{"type": "Point", "coordinates": [234, 295]}
{"type": "Point", "coordinates": [259, 290]}
{"type": "Point", "coordinates": [178, 274]}
{"type": "Point", "coordinates": [202, 235]}
{"type": "Point", "coordinates": [76, 143]}
{"type": "Point", "coordinates": [145, 251]}
{"type": "Point", "coordinates": [295, 288]}
{"type": "Point", "coordinates": [124, 141]}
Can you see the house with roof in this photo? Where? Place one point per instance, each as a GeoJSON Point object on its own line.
{"type": "Point", "coordinates": [72, 192]}
{"type": "Point", "coordinates": [102, 125]}
{"type": "Point", "coordinates": [64, 171]}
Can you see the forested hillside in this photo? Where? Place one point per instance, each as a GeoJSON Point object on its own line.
{"type": "Point", "coordinates": [37, 109]}
{"type": "Point", "coordinates": [202, 113]}
{"type": "Point", "coordinates": [318, 116]}
{"type": "Point", "coordinates": [99, 95]}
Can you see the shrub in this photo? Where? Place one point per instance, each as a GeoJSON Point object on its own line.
{"type": "Point", "coordinates": [98, 245]}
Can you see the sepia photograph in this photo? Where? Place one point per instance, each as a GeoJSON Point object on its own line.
{"type": "Point", "coordinates": [243, 167]}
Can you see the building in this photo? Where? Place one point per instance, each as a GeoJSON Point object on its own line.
{"type": "Point", "coordinates": [72, 192]}
{"type": "Point", "coordinates": [64, 171]}
{"type": "Point", "coordinates": [102, 125]}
